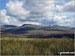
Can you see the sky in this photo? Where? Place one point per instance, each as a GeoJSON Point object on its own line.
{"type": "Point", "coordinates": [37, 12]}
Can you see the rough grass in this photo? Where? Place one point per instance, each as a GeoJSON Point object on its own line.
{"type": "Point", "coordinates": [35, 46]}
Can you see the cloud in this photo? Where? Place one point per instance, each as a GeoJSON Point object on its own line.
{"type": "Point", "coordinates": [15, 9]}
{"type": "Point", "coordinates": [3, 17]}
{"type": "Point", "coordinates": [64, 21]}
{"type": "Point", "coordinates": [37, 12]}
{"type": "Point", "coordinates": [67, 7]}
{"type": "Point", "coordinates": [34, 23]}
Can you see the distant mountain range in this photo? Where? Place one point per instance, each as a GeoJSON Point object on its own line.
{"type": "Point", "coordinates": [35, 31]}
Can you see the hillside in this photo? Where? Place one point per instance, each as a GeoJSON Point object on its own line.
{"type": "Point", "coordinates": [35, 31]}
{"type": "Point", "coordinates": [36, 40]}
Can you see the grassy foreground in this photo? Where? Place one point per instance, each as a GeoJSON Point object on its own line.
{"type": "Point", "coordinates": [35, 46]}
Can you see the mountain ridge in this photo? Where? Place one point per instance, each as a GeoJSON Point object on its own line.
{"type": "Point", "coordinates": [35, 31]}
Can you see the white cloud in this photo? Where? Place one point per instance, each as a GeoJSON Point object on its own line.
{"type": "Point", "coordinates": [9, 20]}
{"type": "Point", "coordinates": [15, 9]}
{"type": "Point", "coordinates": [3, 17]}
{"type": "Point", "coordinates": [64, 21]}
{"type": "Point", "coordinates": [67, 7]}
{"type": "Point", "coordinates": [39, 9]}
{"type": "Point", "coordinates": [35, 12]}
{"type": "Point", "coordinates": [34, 23]}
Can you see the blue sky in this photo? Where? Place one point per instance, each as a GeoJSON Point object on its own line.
{"type": "Point", "coordinates": [3, 4]}
{"type": "Point", "coordinates": [37, 12]}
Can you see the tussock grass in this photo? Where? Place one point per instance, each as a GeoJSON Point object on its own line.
{"type": "Point", "coordinates": [35, 46]}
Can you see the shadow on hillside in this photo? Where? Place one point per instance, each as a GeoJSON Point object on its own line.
{"type": "Point", "coordinates": [53, 36]}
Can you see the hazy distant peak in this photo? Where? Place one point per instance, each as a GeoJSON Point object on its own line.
{"type": "Point", "coordinates": [9, 26]}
